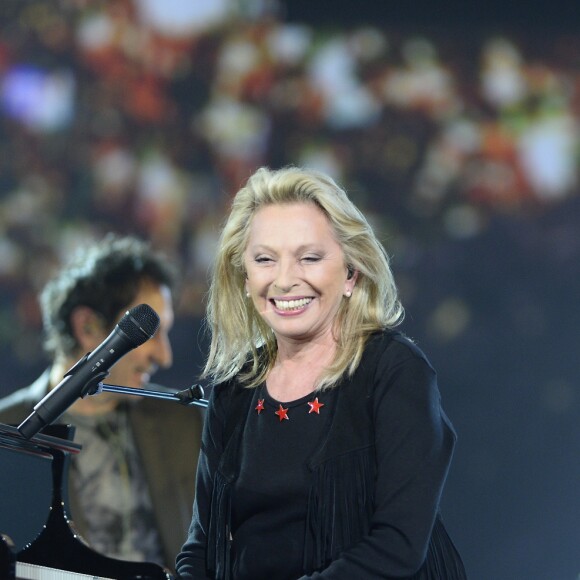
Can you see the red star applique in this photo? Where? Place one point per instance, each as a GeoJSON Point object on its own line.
{"type": "Point", "coordinates": [260, 406]}
{"type": "Point", "coordinates": [282, 413]}
{"type": "Point", "coordinates": [315, 406]}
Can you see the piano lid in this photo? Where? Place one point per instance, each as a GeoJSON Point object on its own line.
{"type": "Point", "coordinates": [53, 547]}
{"type": "Point", "coordinates": [41, 444]}
{"type": "Point", "coordinates": [26, 480]}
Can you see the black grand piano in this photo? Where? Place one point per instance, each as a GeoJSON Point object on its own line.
{"type": "Point", "coordinates": [55, 551]}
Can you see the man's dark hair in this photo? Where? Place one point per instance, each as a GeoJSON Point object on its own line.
{"type": "Point", "coordinates": [106, 277]}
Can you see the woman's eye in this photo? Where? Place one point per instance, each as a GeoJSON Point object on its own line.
{"type": "Point", "coordinates": [311, 259]}
{"type": "Point", "coordinates": [262, 259]}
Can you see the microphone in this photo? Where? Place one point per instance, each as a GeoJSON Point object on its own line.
{"type": "Point", "coordinates": [137, 326]}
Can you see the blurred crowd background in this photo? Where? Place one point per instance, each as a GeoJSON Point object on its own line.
{"type": "Point", "coordinates": [460, 143]}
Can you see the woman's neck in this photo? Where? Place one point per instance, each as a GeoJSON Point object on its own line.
{"type": "Point", "coordinates": [297, 369]}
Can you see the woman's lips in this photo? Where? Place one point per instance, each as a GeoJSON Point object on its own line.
{"type": "Point", "coordinates": [291, 305]}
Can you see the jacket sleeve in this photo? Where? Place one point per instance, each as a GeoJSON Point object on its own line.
{"type": "Point", "coordinates": [191, 561]}
{"type": "Point", "coordinates": [414, 443]}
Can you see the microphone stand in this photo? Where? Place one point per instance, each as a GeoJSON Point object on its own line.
{"type": "Point", "coordinates": [192, 396]}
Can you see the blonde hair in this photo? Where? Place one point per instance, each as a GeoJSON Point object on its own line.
{"type": "Point", "coordinates": [241, 342]}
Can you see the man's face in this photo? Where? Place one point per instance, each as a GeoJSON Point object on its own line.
{"type": "Point", "coordinates": [136, 368]}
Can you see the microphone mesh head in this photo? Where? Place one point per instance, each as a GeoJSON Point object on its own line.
{"type": "Point", "coordinates": [140, 323]}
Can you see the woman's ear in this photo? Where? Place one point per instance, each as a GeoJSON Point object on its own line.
{"type": "Point", "coordinates": [351, 278]}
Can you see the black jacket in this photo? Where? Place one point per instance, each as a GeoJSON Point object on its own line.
{"type": "Point", "coordinates": [376, 480]}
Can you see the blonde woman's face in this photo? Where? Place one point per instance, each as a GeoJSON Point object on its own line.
{"type": "Point", "coordinates": [296, 272]}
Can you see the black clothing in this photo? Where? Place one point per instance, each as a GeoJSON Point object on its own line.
{"type": "Point", "coordinates": [352, 492]}
{"type": "Point", "coordinates": [276, 464]}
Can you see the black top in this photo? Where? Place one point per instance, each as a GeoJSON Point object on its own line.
{"type": "Point", "coordinates": [413, 443]}
{"type": "Point", "coordinates": [271, 493]}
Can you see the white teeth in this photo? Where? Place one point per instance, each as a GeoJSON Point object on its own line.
{"type": "Point", "coordinates": [292, 304]}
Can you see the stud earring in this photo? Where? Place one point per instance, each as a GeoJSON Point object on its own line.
{"type": "Point", "coordinates": [348, 293]}
{"type": "Point", "coordinates": [247, 294]}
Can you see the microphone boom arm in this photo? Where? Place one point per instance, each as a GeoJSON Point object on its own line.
{"type": "Point", "coordinates": [192, 396]}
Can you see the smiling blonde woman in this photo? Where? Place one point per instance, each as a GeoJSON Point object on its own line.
{"type": "Point", "coordinates": [325, 448]}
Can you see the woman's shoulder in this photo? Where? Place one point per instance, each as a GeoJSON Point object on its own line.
{"type": "Point", "coordinates": [395, 346]}
{"type": "Point", "coordinates": [223, 393]}
{"type": "Point", "coordinates": [395, 364]}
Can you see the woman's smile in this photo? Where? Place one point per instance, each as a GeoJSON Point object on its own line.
{"type": "Point", "coordinates": [291, 305]}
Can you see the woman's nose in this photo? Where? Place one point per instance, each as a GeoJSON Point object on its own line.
{"type": "Point", "coordinates": [285, 276]}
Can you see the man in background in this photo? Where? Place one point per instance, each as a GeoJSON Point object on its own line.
{"type": "Point", "coordinates": [131, 487]}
